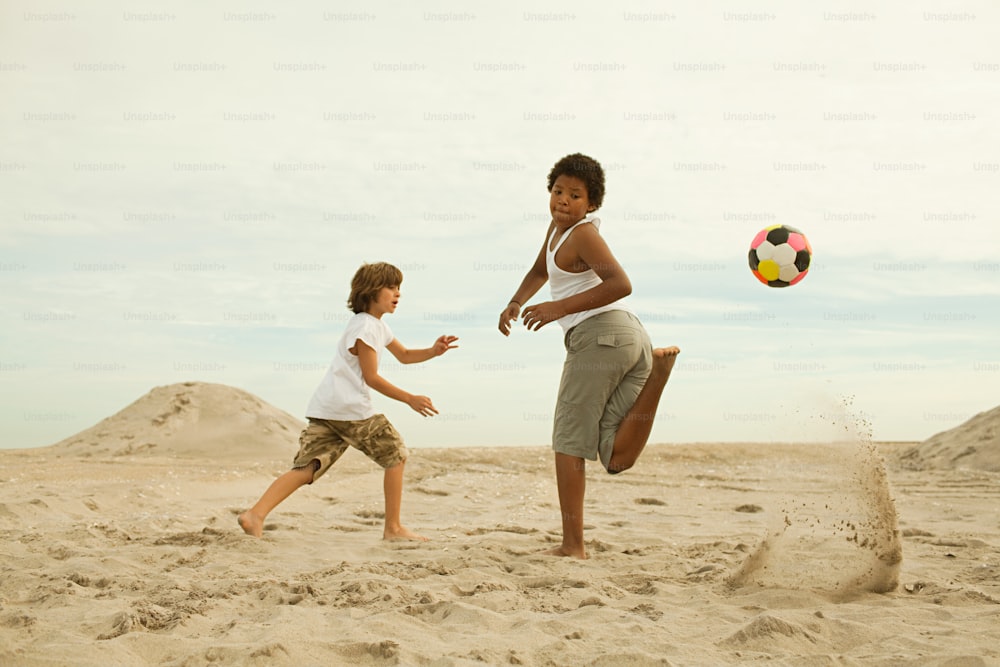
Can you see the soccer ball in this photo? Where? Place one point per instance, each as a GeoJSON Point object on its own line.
{"type": "Point", "coordinates": [780, 256]}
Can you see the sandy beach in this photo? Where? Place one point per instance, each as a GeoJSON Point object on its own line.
{"type": "Point", "coordinates": [120, 547]}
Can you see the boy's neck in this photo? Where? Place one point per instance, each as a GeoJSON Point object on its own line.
{"type": "Point", "coordinates": [586, 215]}
{"type": "Point", "coordinates": [376, 315]}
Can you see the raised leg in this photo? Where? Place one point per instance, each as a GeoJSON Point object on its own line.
{"type": "Point", "coordinates": [638, 423]}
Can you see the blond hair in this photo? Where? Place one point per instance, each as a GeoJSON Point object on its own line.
{"type": "Point", "coordinates": [367, 282]}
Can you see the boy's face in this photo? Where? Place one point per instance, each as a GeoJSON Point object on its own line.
{"type": "Point", "coordinates": [568, 201]}
{"type": "Point", "coordinates": [384, 302]}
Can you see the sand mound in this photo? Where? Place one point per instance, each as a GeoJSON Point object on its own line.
{"type": "Point", "coordinates": [191, 420]}
{"type": "Point", "coordinates": [974, 444]}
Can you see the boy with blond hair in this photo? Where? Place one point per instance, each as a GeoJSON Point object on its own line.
{"type": "Point", "coordinates": [340, 413]}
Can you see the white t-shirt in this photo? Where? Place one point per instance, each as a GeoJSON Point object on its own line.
{"type": "Point", "coordinates": [343, 394]}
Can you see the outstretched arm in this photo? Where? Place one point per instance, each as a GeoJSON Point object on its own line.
{"type": "Point", "coordinates": [368, 361]}
{"type": "Point", "coordinates": [405, 356]}
{"type": "Point", "coordinates": [533, 281]}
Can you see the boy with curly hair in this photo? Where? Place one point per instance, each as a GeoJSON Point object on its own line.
{"type": "Point", "coordinates": [340, 412]}
{"type": "Point", "coordinates": [612, 378]}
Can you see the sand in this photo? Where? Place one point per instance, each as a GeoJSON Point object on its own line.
{"type": "Point", "coordinates": [120, 547]}
{"type": "Point", "coordinates": [974, 444]}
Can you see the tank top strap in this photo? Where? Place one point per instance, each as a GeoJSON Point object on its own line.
{"type": "Point", "coordinates": [565, 235]}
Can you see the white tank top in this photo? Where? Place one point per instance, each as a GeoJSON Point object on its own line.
{"type": "Point", "coordinates": [565, 284]}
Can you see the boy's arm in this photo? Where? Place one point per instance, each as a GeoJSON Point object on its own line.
{"type": "Point", "coordinates": [405, 356]}
{"type": "Point", "coordinates": [533, 281]}
{"type": "Point", "coordinates": [596, 254]}
{"type": "Point", "coordinates": [368, 361]}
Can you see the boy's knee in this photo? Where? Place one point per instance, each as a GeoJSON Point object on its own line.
{"type": "Point", "coordinates": [615, 468]}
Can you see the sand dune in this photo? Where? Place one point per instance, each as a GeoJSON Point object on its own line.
{"type": "Point", "coordinates": [974, 444]}
{"type": "Point", "coordinates": [705, 554]}
{"type": "Point", "coordinates": [189, 419]}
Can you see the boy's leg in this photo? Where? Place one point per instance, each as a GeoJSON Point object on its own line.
{"type": "Point", "coordinates": [571, 478]}
{"type": "Point", "coordinates": [381, 442]}
{"type": "Point", "coordinates": [392, 485]}
{"type": "Point", "coordinates": [252, 521]}
{"type": "Point", "coordinates": [634, 430]}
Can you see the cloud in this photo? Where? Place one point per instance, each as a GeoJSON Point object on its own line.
{"type": "Point", "coordinates": [194, 208]}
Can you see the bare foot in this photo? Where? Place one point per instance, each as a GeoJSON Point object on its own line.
{"type": "Point", "coordinates": [402, 533]}
{"type": "Point", "coordinates": [251, 524]}
{"type": "Point", "coordinates": [664, 359]}
{"type": "Point", "coordinates": [565, 553]}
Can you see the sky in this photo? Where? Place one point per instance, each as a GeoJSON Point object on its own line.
{"type": "Point", "coordinates": [187, 188]}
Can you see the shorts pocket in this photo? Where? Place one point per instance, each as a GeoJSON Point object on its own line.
{"type": "Point", "coordinates": [616, 339]}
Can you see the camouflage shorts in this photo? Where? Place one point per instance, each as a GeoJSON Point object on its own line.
{"type": "Point", "coordinates": [326, 440]}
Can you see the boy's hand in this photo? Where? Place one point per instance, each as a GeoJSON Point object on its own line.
{"type": "Point", "coordinates": [509, 314]}
{"type": "Point", "coordinates": [443, 344]}
{"type": "Point", "coordinates": [423, 405]}
{"type": "Point", "coordinates": [537, 316]}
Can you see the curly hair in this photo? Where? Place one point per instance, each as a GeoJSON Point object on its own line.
{"type": "Point", "coordinates": [367, 282]}
{"type": "Point", "coordinates": [587, 169]}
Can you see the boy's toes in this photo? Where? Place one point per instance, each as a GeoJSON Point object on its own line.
{"type": "Point", "coordinates": [664, 359]}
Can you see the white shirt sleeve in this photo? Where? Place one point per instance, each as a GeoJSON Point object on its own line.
{"type": "Point", "coordinates": [372, 331]}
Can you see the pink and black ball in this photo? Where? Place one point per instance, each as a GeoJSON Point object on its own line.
{"type": "Point", "coordinates": [780, 256]}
